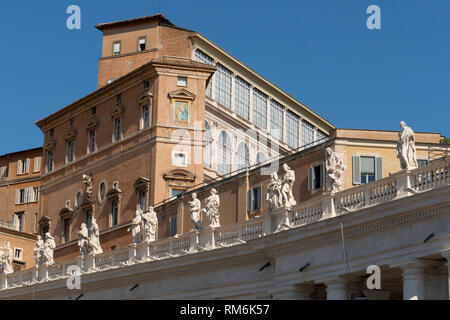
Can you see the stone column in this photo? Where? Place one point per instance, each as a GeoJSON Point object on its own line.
{"type": "Point", "coordinates": [414, 280]}
{"type": "Point", "coordinates": [446, 255]}
{"type": "Point", "coordinates": [337, 289]}
{"type": "Point", "coordinates": [291, 292]}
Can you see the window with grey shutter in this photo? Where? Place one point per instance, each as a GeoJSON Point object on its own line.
{"type": "Point", "coordinates": [356, 170]}
{"type": "Point", "coordinates": [310, 178]}
{"type": "Point", "coordinates": [19, 167]}
{"type": "Point", "coordinates": [378, 168]}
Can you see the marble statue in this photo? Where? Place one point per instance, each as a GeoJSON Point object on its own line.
{"type": "Point", "coordinates": [406, 148]}
{"type": "Point", "coordinates": [194, 208]}
{"type": "Point", "coordinates": [49, 246]}
{"type": "Point", "coordinates": [136, 225]}
{"type": "Point", "coordinates": [286, 187]}
{"type": "Point", "coordinates": [150, 225]}
{"type": "Point", "coordinates": [212, 209]}
{"type": "Point", "coordinates": [38, 251]}
{"type": "Point", "coordinates": [83, 240]}
{"type": "Point", "coordinates": [335, 170]}
{"type": "Point", "coordinates": [94, 239]}
{"type": "Point", "coordinates": [87, 180]}
{"type": "Point", "coordinates": [274, 192]}
{"type": "Point", "coordinates": [6, 258]}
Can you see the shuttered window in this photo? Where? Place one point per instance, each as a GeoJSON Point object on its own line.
{"type": "Point", "coordinates": [4, 172]}
{"type": "Point", "coordinates": [316, 177]}
{"type": "Point", "coordinates": [37, 164]}
{"type": "Point", "coordinates": [254, 199]}
{"type": "Point", "coordinates": [367, 169]}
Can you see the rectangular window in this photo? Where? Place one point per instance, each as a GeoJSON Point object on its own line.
{"type": "Point", "coordinates": [182, 81]}
{"type": "Point", "coordinates": [307, 133]}
{"type": "Point", "coordinates": [70, 151]}
{"type": "Point", "coordinates": [93, 111]}
{"type": "Point", "coordinates": [422, 162]}
{"type": "Point", "coordinates": [292, 129]}
{"type": "Point", "coordinates": [4, 172]}
{"type": "Point", "coordinates": [259, 109]}
{"type": "Point", "coordinates": [176, 192]}
{"type": "Point", "coordinates": [119, 99]}
{"type": "Point", "coordinates": [242, 98]}
{"type": "Point", "coordinates": [92, 143]}
{"type": "Point", "coordinates": [117, 134]}
{"type": "Point", "coordinates": [179, 159]}
{"type": "Point", "coordinates": [146, 84]}
{"type": "Point", "coordinates": [89, 220]}
{"type": "Point", "coordinates": [18, 254]}
{"type": "Point", "coordinates": [23, 166]}
{"type": "Point", "coordinates": [142, 43]}
{"type": "Point", "coordinates": [143, 200]}
{"type": "Point", "coordinates": [367, 169]}
{"type": "Point", "coordinates": [202, 57]}
{"type": "Point", "coordinates": [114, 213]}
{"type": "Point", "coordinates": [116, 185]}
{"type": "Point", "coordinates": [276, 120]}
{"type": "Point", "coordinates": [145, 116]}
{"type": "Point", "coordinates": [222, 79]}
{"type": "Point", "coordinates": [19, 219]}
{"type": "Point", "coordinates": [321, 136]}
{"type": "Point", "coordinates": [254, 199]}
{"type": "Point", "coordinates": [173, 226]}
{"type": "Point", "coordinates": [49, 163]}
{"type": "Point", "coordinates": [116, 48]}
{"type": "Point", "coordinates": [66, 226]}
{"type": "Point", "coordinates": [37, 164]}
{"type": "Point", "coordinates": [34, 194]}
{"type": "Point", "coordinates": [316, 177]}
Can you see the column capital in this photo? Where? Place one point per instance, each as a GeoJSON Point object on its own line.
{"type": "Point", "coordinates": [446, 254]}
{"type": "Point", "coordinates": [291, 292]}
{"type": "Point", "coordinates": [337, 288]}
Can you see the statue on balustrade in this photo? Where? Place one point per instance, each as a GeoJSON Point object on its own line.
{"type": "Point", "coordinates": [38, 251]}
{"type": "Point", "coordinates": [274, 195]}
{"type": "Point", "coordinates": [406, 148]}
{"type": "Point", "coordinates": [194, 208]}
{"type": "Point", "coordinates": [335, 168]}
{"type": "Point", "coordinates": [287, 185]}
{"type": "Point", "coordinates": [87, 180]}
{"type": "Point", "coordinates": [150, 225]}
{"type": "Point", "coordinates": [94, 239]}
{"type": "Point", "coordinates": [6, 258]}
{"type": "Point", "coordinates": [136, 225]}
{"type": "Point", "coordinates": [49, 247]}
{"type": "Point", "coordinates": [83, 240]}
{"type": "Point", "coordinates": [212, 209]}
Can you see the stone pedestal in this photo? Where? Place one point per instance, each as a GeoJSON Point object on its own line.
{"type": "Point", "coordinates": [3, 282]}
{"type": "Point", "coordinates": [404, 185]}
{"type": "Point", "coordinates": [89, 263]}
{"type": "Point", "coordinates": [207, 238]}
{"type": "Point", "coordinates": [283, 221]}
{"type": "Point", "coordinates": [328, 208]}
{"type": "Point", "coordinates": [194, 240]}
{"type": "Point", "coordinates": [132, 253]}
{"type": "Point", "coordinates": [35, 275]}
{"type": "Point", "coordinates": [337, 289]}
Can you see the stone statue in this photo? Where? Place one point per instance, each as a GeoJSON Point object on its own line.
{"type": "Point", "coordinates": [274, 191]}
{"type": "Point", "coordinates": [212, 209]}
{"type": "Point", "coordinates": [286, 187]}
{"type": "Point", "coordinates": [335, 170]}
{"type": "Point", "coordinates": [49, 246]}
{"type": "Point", "coordinates": [87, 180]}
{"type": "Point", "coordinates": [94, 239]}
{"type": "Point", "coordinates": [406, 148]}
{"type": "Point", "coordinates": [194, 208]}
{"type": "Point", "coordinates": [38, 251]}
{"type": "Point", "coordinates": [150, 225]}
{"type": "Point", "coordinates": [83, 240]}
{"type": "Point", "coordinates": [6, 258]}
{"type": "Point", "coordinates": [136, 225]}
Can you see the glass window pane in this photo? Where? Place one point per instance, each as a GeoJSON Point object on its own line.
{"type": "Point", "coordinates": [242, 98]}
{"type": "Point", "coordinates": [292, 129]}
{"type": "Point", "coordinates": [222, 79]}
{"type": "Point", "coordinates": [307, 133]}
{"type": "Point", "coordinates": [202, 57]}
{"type": "Point", "coordinates": [259, 109]}
{"type": "Point", "coordinates": [276, 119]}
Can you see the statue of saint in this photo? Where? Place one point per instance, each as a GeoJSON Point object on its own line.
{"type": "Point", "coordinates": [83, 240]}
{"type": "Point", "coordinates": [150, 223]}
{"type": "Point", "coordinates": [406, 148]}
{"type": "Point", "coordinates": [286, 187]}
{"type": "Point", "coordinates": [87, 180]}
{"type": "Point", "coordinates": [49, 246]}
{"type": "Point", "coordinates": [194, 208]}
{"type": "Point", "coordinates": [212, 209]}
{"type": "Point", "coordinates": [94, 239]}
{"type": "Point", "coordinates": [274, 191]}
{"type": "Point", "coordinates": [38, 251]}
{"type": "Point", "coordinates": [7, 259]}
{"type": "Point", "coordinates": [136, 225]}
{"type": "Point", "coordinates": [335, 170]}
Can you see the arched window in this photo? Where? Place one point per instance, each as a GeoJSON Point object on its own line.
{"type": "Point", "coordinates": [260, 158]}
{"type": "Point", "coordinates": [207, 152]}
{"type": "Point", "coordinates": [243, 156]}
{"type": "Point", "coordinates": [224, 152]}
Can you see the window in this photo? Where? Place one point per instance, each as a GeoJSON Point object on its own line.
{"type": "Point", "coordinates": [242, 98]}
{"type": "Point", "coordinates": [52, 133]}
{"type": "Point", "coordinates": [367, 169]}
{"type": "Point", "coordinates": [224, 152]}
{"type": "Point", "coordinates": [116, 48]}
{"type": "Point", "coordinates": [18, 254]}
{"type": "Point", "coordinates": [276, 120]}
{"type": "Point", "coordinates": [37, 164]}
{"type": "Point", "coordinates": [254, 199]}
{"type": "Point", "coordinates": [259, 109]}
{"type": "Point", "coordinates": [78, 199]}
{"type": "Point", "coordinates": [146, 84]}
{"type": "Point", "coordinates": [260, 158]}
{"type": "Point", "coordinates": [141, 43]}
{"type": "Point", "coordinates": [182, 81]}
{"type": "Point", "coordinates": [243, 156]}
{"type": "Point", "coordinates": [93, 111]}
{"type": "Point", "coordinates": [307, 133]}
{"type": "Point", "coordinates": [292, 129]}
{"type": "Point", "coordinates": [145, 116]}
{"type": "Point", "coordinates": [119, 99]}
{"type": "Point", "coordinates": [179, 159]}
{"type": "Point", "coordinates": [173, 226]}
{"type": "Point", "coordinates": [49, 163]}
{"type": "Point", "coordinates": [316, 177]}
{"type": "Point", "coordinates": [92, 143]}
{"type": "Point", "coordinates": [222, 79]}
{"type": "Point", "coordinates": [321, 136]}
{"type": "Point", "coordinates": [102, 192]}
{"type": "Point", "coordinates": [70, 151]}
{"type": "Point", "coordinates": [422, 162]}
{"type": "Point", "coordinates": [89, 220]}
{"type": "Point", "coordinates": [176, 192]}
{"type": "Point", "coordinates": [207, 153]}
{"type": "Point", "coordinates": [21, 196]}
{"type": "Point", "coordinates": [114, 213]}
{"type": "Point", "coordinates": [66, 230]}
{"type": "Point", "coordinates": [117, 134]}
{"type": "Point", "coordinates": [143, 200]}
{"type": "Point", "coordinates": [202, 57]}
{"type": "Point", "coordinates": [35, 191]}
{"type": "Point", "coordinates": [23, 166]}
{"type": "Point", "coordinates": [4, 172]}
{"type": "Point", "coordinates": [19, 219]}
{"type": "Point", "coordinates": [71, 122]}
{"type": "Point", "coordinates": [116, 185]}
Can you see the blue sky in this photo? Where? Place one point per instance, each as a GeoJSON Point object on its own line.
{"type": "Point", "coordinates": [320, 52]}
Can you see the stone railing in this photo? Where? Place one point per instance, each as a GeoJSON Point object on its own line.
{"type": "Point", "coordinates": [402, 184]}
